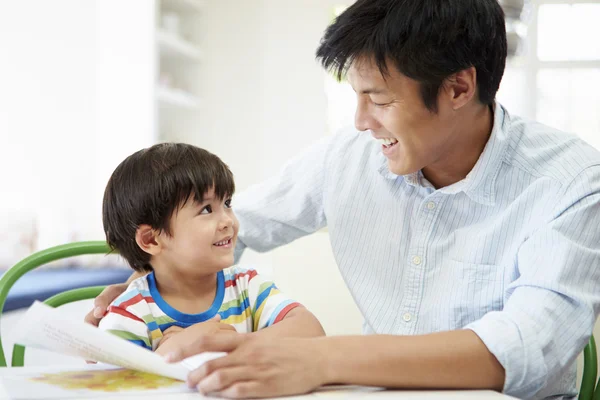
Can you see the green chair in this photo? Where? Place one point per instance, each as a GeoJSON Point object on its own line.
{"type": "Point", "coordinates": [40, 258]}
{"type": "Point", "coordinates": [590, 372]}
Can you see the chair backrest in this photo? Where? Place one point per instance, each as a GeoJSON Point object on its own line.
{"type": "Point", "coordinates": [590, 371]}
{"type": "Point", "coordinates": [38, 259]}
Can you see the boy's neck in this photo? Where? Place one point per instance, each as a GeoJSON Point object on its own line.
{"type": "Point", "coordinates": [187, 294]}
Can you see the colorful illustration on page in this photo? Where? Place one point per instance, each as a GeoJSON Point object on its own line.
{"type": "Point", "coordinates": [106, 380]}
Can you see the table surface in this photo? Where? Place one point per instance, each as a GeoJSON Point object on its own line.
{"type": "Point", "coordinates": [333, 392]}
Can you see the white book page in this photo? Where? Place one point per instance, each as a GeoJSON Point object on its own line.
{"type": "Point", "coordinates": [47, 328]}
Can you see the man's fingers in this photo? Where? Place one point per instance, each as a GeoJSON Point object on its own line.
{"type": "Point", "coordinates": [102, 302]}
{"type": "Point", "coordinates": [222, 379]}
{"type": "Point", "coordinates": [107, 296]}
{"type": "Point", "coordinates": [216, 318]}
{"type": "Point", "coordinates": [243, 390]}
{"type": "Point", "coordinates": [209, 367]}
{"type": "Point", "coordinates": [226, 343]}
{"type": "Point", "coordinates": [90, 318]}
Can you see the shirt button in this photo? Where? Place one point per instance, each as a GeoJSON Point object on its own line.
{"type": "Point", "coordinates": [407, 317]}
{"type": "Point", "coordinates": [430, 205]}
{"type": "Point", "coordinates": [417, 260]}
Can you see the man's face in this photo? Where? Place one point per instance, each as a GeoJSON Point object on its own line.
{"type": "Point", "coordinates": [393, 110]}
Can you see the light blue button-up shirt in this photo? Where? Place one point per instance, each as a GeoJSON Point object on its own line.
{"type": "Point", "coordinates": [512, 251]}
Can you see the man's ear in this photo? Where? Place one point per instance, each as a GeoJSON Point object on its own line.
{"type": "Point", "coordinates": [147, 239]}
{"type": "Point", "coordinates": [461, 87]}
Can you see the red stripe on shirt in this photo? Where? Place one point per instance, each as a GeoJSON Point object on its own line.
{"type": "Point", "coordinates": [136, 299]}
{"type": "Point", "coordinates": [124, 313]}
{"type": "Point", "coordinates": [286, 310]}
{"type": "Point", "coordinates": [233, 282]}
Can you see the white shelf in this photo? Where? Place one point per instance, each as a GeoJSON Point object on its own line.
{"type": "Point", "coordinates": [176, 98]}
{"type": "Point", "coordinates": [184, 6]}
{"type": "Point", "coordinates": [171, 45]}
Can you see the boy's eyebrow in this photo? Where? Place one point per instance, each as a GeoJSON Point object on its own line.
{"type": "Point", "coordinates": [207, 199]}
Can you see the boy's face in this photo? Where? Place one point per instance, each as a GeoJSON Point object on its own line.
{"type": "Point", "coordinates": [203, 236]}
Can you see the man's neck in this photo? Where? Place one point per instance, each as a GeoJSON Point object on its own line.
{"type": "Point", "coordinates": [471, 138]}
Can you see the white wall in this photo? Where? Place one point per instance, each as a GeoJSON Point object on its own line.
{"type": "Point", "coordinates": [264, 101]}
{"type": "Point", "coordinates": [76, 96]}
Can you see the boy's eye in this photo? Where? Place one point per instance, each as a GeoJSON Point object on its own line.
{"type": "Point", "coordinates": [228, 203]}
{"type": "Point", "coordinates": [206, 210]}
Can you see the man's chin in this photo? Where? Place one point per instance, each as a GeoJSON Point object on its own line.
{"type": "Point", "coordinates": [401, 169]}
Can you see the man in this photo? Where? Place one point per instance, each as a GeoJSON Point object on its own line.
{"type": "Point", "coordinates": [468, 237]}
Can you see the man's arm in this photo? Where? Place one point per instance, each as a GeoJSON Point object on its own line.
{"type": "Point", "coordinates": [287, 206]}
{"type": "Point", "coordinates": [449, 360]}
{"type": "Point", "coordinates": [256, 367]}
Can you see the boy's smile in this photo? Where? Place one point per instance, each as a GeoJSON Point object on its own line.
{"type": "Point", "coordinates": [202, 239]}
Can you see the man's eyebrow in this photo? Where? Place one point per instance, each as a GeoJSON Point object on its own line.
{"type": "Point", "coordinates": [373, 91]}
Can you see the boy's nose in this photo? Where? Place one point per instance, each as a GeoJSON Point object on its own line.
{"type": "Point", "coordinates": [226, 222]}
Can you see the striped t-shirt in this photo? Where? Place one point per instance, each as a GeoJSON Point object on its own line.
{"type": "Point", "coordinates": [243, 299]}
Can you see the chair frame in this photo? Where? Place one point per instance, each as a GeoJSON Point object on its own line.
{"type": "Point", "coordinates": [38, 259]}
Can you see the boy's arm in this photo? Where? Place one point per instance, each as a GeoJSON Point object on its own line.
{"type": "Point", "coordinates": [276, 315]}
{"type": "Point", "coordinates": [298, 322]}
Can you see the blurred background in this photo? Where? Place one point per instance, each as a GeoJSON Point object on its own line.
{"type": "Point", "coordinates": [84, 83]}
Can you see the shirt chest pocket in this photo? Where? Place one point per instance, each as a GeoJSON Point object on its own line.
{"type": "Point", "coordinates": [476, 290]}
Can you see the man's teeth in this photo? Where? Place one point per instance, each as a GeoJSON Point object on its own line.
{"type": "Point", "coordinates": [222, 243]}
{"type": "Point", "coordinates": [387, 141]}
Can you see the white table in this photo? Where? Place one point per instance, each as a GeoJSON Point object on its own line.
{"type": "Point", "coordinates": [332, 392]}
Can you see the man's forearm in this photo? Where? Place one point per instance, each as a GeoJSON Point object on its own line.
{"type": "Point", "coordinates": [445, 360]}
{"type": "Point", "coordinates": [299, 322]}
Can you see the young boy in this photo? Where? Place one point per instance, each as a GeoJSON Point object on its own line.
{"type": "Point", "coordinates": [167, 210]}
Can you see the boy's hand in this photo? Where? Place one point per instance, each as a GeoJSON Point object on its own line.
{"type": "Point", "coordinates": [175, 337]}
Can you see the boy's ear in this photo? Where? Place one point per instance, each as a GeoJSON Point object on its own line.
{"type": "Point", "coordinates": [147, 239]}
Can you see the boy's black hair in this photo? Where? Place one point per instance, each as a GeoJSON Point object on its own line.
{"type": "Point", "coordinates": [152, 184]}
{"type": "Point", "coordinates": [426, 40]}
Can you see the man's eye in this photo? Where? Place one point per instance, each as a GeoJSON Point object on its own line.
{"type": "Point", "coordinates": [206, 210]}
{"type": "Point", "coordinates": [228, 203]}
{"type": "Point", "coordinates": [380, 104]}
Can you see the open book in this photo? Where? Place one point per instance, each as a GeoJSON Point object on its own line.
{"type": "Point", "coordinates": [48, 328]}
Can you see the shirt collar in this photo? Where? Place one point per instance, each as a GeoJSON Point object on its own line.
{"type": "Point", "coordinates": [480, 183]}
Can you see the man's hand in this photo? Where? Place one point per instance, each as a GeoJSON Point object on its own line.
{"type": "Point", "coordinates": [255, 367]}
{"type": "Point", "coordinates": [102, 302]}
{"type": "Point", "coordinates": [176, 337]}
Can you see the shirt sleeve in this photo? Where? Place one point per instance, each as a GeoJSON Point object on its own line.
{"type": "Point", "coordinates": [268, 304]}
{"type": "Point", "coordinates": [551, 307]}
{"type": "Point", "coordinates": [125, 319]}
{"type": "Point", "coordinates": [286, 207]}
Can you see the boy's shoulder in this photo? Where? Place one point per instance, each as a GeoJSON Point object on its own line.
{"type": "Point", "coordinates": [239, 276]}
{"type": "Point", "coordinates": [138, 291]}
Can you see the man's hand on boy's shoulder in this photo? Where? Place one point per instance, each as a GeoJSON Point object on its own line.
{"type": "Point", "coordinates": [104, 299]}
{"type": "Point", "coordinates": [175, 336]}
